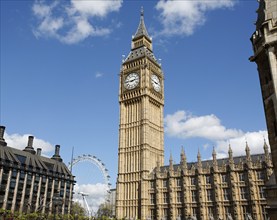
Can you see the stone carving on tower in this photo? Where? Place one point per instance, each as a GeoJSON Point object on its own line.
{"type": "Point", "coordinates": [264, 41]}
{"type": "Point", "coordinates": [141, 132]}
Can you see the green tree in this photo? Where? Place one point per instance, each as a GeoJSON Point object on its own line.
{"type": "Point", "coordinates": [77, 211]}
{"type": "Point", "coordinates": [104, 211]}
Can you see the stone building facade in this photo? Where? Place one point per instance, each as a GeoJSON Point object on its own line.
{"type": "Point", "coordinates": [230, 188]}
{"type": "Point", "coordinates": [141, 131]}
{"type": "Point", "coordinates": [30, 182]}
{"type": "Point", "coordinates": [264, 41]}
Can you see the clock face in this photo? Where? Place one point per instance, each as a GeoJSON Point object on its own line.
{"type": "Point", "coordinates": [131, 81]}
{"type": "Point", "coordinates": [156, 82]}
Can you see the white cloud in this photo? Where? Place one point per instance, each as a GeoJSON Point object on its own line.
{"type": "Point", "coordinates": [255, 141]}
{"type": "Point", "coordinates": [96, 194]}
{"type": "Point", "coordinates": [96, 8]}
{"type": "Point", "coordinates": [184, 125]}
{"type": "Point", "coordinates": [182, 17]}
{"type": "Point", "coordinates": [98, 75]}
{"type": "Point", "coordinates": [41, 10]}
{"type": "Point", "coordinates": [20, 142]}
{"type": "Point", "coordinates": [72, 22]}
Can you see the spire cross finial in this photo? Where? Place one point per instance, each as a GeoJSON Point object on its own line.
{"type": "Point", "coordinates": [141, 11]}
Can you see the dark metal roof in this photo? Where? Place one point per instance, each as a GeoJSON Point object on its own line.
{"type": "Point", "coordinates": [26, 159]}
{"type": "Point", "coordinates": [141, 31]}
{"type": "Point", "coordinates": [139, 53]}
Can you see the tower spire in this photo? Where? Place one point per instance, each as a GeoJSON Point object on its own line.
{"type": "Point", "coordinates": [214, 159]}
{"type": "Point", "coordinates": [170, 162]}
{"type": "Point", "coordinates": [183, 159]}
{"type": "Point", "coordinates": [141, 31]}
{"type": "Point", "coordinates": [231, 159]}
{"type": "Point", "coordinates": [199, 161]}
{"type": "Point", "coordinates": [214, 154]}
{"type": "Point", "coordinates": [183, 155]}
{"type": "Point", "coordinates": [248, 156]}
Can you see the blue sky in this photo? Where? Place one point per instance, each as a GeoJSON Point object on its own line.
{"type": "Point", "coordinates": [60, 62]}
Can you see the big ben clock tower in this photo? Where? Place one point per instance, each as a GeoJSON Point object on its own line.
{"type": "Point", "coordinates": [264, 41]}
{"type": "Point", "coordinates": [141, 132]}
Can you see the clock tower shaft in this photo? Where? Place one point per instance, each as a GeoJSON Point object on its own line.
{"type": "Point", "coordinates": [141, 132]}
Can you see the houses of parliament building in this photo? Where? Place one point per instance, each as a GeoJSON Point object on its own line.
{"type": "Point", "coordinates": [236, 187]}
{"type": "Point", "coordinates": [230, 188]}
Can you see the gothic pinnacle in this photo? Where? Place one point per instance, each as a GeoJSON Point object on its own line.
{"type": "Point", "coordinates": [247, 149]}
{"type": "Point", "coordinates": [170, 162]}
{"type": "Point", "coordinates": [214, 153]}
{"type": "Point", "coordinates": [198, 155]}
{"type": "Point", "coordinates": [199, 163]}
{"type": "Point", "coordinates": [183, 155]}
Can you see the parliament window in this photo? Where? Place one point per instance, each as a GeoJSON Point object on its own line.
{"type": "Point", "coordinates": [208, 180]}
{"type": "Point", "coordinates": [241, 177]}
{"type": "Point", "coordinates": [224, 178]}
{"type": "Point", "coordinates": [152, 198]}
{"type": "Point", "coordinates": [209, 194]}
{"type": "Point", "coordinates": [179, 212]}
{"type": "Point", "coordinates": [179, 197]}
{"type": "Point", "coordinates": [165, 213]}
{"type": "Point", "coordinates": [227, 210]}
{"type": "Point", "coordinates": [260, 175]}
{"type": "Point", "coordinates": [243, 193]}
{"type": "Point", "coordinates": [178, 182]}
{"type": "Point", "coordinates": [164, 183]}
{"type": "Point", "coordinates": [192, 181]}
{"type": "Point", "coordinates": [264, 212]}
{"type": "Point", "coordinates": [193, 195]}
{"type": "Point", "coordinates": [210, 210]}
{"type": "Point", "coordinates": [262, 192]}
{"type": "Point", "coordinates": [152, 213]}
{"type": "Point", "coordinates": [245, 210]}
{"type": "Point", "coordinates": [165, 198]}
{"type": "Point", "coordinates": [194, 211]}
{"type": "Point", "coordinates": [226, 194]}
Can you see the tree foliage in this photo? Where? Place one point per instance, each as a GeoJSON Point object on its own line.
{"type": "Point", "coordinates": [77, 209]}
{"type": "Point", "coordinates": [77, 213]}
{"type": "Point", "coordinates": [104, 211]}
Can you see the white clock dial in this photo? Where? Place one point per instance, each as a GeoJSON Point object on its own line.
{"type": "Point", "coordinates": [131, 81]}
{"type": "Point", "coordinates": [156, 82]}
